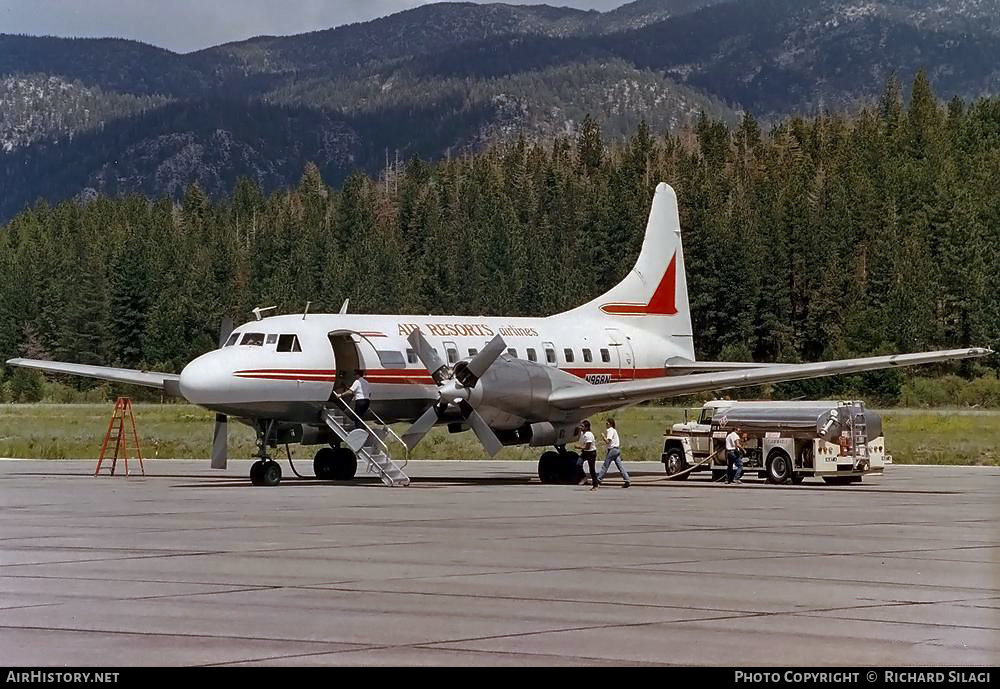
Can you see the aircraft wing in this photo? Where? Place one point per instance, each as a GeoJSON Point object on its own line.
{"type": "Point", "coordinates": [678, 366]}
{"type": "Point", "coordinates": [149, 379]}
{"type": "Point", "coordinates": [616, 394]}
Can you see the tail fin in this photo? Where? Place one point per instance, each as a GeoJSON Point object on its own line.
{"type": "Point", "coordinates": [654, 295]}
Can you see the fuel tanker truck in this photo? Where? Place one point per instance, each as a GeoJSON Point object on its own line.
{"type": "Point", "coordinates": [838, 441]}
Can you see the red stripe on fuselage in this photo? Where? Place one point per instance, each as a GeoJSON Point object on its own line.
{"type": "Point", "coordinates": [418, 377]}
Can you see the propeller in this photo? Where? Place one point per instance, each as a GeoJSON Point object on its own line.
{"type": "Point", "coordinates": [454, 388]}
{"type": "Point", "coordinates": [220, 434]}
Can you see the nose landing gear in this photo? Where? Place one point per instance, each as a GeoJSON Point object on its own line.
{"type": "Point", "coordinates": [265, 471]}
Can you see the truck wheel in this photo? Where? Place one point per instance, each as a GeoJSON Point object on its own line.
{"type": "Point", "coordinates": [675, 464]}
{"type": "Point", "coordinates": [779, 467]}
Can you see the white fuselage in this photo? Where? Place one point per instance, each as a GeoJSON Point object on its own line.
{"type": "Point", "coordinates": [260, 374]}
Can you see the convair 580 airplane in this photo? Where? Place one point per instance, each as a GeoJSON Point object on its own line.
{"type": "Point", "coordinates": [512, 381]}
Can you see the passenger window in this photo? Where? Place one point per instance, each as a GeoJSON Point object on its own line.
{"type": "Point", "coordinates": [287, 343]}
{"type": "Point", "coordinates": [568, 353]}
{"type": "Point", "coordinates": [272, 338]}
{"type": "Point", "coordinates": [473, 351]}
{"type": "Point", "coordinates": [512, 352]}
{"type": "Point", "coordinates": [587, 356]}
{"type": "Point", "coordinates": [452, 355]}
{"type": "Point", "coordinates": [389, 357]}
{"type": "Point", "coordinates": [550, 355]}
{"type": "Point", "coordinates": [605, 356]}
{"type": "Point", "coordinates": [232, 340]}
{"type": "Point", "coordinates": [411, 356]}
{"type": "Point", "coordinates": [253, 340]}
{"type": "Point", "coordinates": [531, 355]}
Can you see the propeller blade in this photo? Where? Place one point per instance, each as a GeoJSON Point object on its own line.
{"type": "Point", "coordinates": [220, 441]}
{"type": "Point", "coordinates": [470, 374]}
{"type": "Point", "coordinates": [482, 430]}
{"type": "Point", "coordinates": [416, 432]}
{"type": "Point", "coordinates": [225, 330]}
{"type": "Point", "coordinates": [428, 357]}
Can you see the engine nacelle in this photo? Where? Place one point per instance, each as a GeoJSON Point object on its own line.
{"type": "Point", "coordinates": [514, 394]}
{"type": "Point", "coordinates": [545, 434]}
{"type": "Point", "coordinates": [316, 435]}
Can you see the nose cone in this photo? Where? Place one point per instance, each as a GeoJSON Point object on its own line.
{"type": "Point", "coordinates": [205, 380]}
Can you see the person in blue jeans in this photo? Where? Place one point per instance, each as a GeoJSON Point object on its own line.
{"type": "Point", "coordinates": [734, 457]}
{"type": "Point", "coordinates": [614, 454]}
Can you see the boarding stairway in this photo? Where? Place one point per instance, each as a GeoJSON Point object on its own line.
{"type": "Point", "coordinates": [367, 441]}
{"type": "Point", "coordinates": [859, 434]}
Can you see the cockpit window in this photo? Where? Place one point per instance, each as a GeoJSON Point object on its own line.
{"type": "Point", "coordinates": [232, 340]}
{"type": "Point", "coordinates": [272, 338]}
{"type": "Point", "coordinates": [253, 339]}
{"type": "Point", "coordinates": [289, 343]}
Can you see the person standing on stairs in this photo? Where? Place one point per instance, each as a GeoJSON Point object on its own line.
{"type": "Point", "coordinates": [360, 393]}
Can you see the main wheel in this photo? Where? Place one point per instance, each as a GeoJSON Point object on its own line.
{"type": "Point", "coordinates": [573, 473]}
{"type": "Point", "coordinates": [675, 464]}
{"type": "Point", "coordinates": [323, 464]}
{"type": "Point", "coordinates": [779, 467]}
{"type": "Point", "coordinates": [550, 468]}
{"type": "Point", "coordinates": [345, 464]}
{"type": "Point", "coordinates": [270, 474]}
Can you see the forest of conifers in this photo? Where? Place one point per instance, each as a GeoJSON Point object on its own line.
{"type": "Point", "coordinates": [822, 237]}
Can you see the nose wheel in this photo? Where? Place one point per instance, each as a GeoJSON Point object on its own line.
{"type": "Point", "coordinates": [265, 471]}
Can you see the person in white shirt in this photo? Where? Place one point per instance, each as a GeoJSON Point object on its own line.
{"type": "Point", "coordinates": [588, 451]}
{"type": "Point", "coordinates": [614, 454]}
{"type": "Point", "coordinates": [734, 457]}
{"type": "Point", "coordinates": [360, 393]}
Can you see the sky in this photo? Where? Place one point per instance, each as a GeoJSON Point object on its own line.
{"type": "Point", "coordinates": [186, 25]}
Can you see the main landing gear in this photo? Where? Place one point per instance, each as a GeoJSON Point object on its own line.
{"type": "Point", "coordinates": [335, 464]}
{"type": "Point", "coordinates": [560, 466]}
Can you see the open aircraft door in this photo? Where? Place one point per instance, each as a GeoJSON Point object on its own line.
{"type": "Point", "coordinates": [621, 353]}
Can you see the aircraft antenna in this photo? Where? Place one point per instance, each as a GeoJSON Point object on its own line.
{"type": "Point", "coordinates": [306, 311]}
{"type": "Point", "coordinates": [258, 311]}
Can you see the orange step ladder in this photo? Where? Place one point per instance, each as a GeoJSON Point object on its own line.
{"type": "Point", "coordinates": [117, 434]}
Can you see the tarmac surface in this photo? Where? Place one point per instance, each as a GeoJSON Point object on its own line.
{"type": "Point", "coordinates": [476, 563]}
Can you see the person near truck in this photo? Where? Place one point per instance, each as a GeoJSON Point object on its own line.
{"type": "Point", "coordinates": [614, 454]}
{"type": "Point", "coordinates": [588, 452]}
{"type": "Point", "coordinates": [734, 456]}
